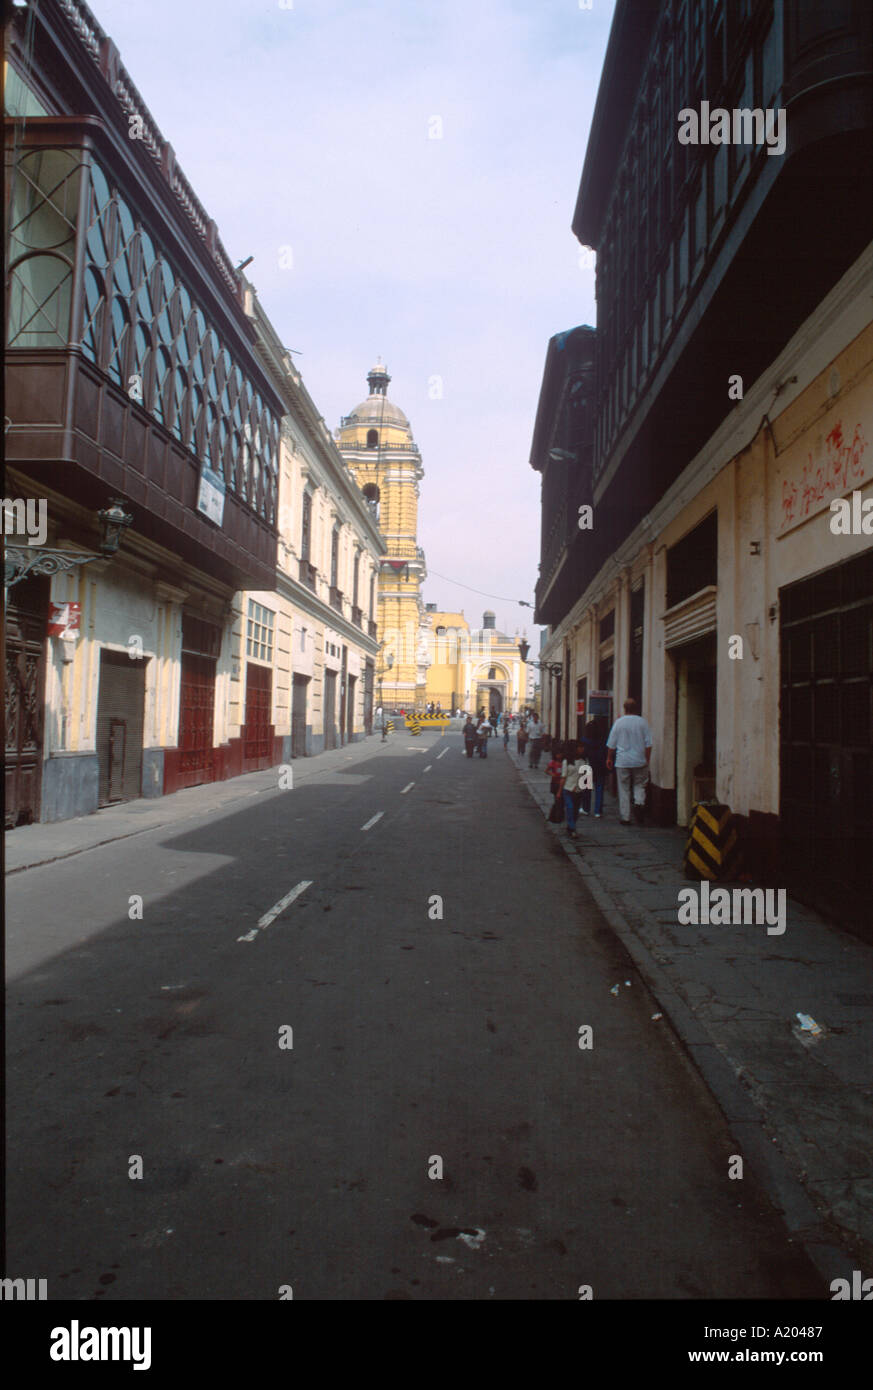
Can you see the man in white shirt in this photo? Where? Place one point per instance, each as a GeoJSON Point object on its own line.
{"type": "Point", "coordinates": [535, 735]}
{"type": "Point", "coordinates": [629, 748]}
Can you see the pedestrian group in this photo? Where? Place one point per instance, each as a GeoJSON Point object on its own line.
{"type": "Point", "coordinates": [578, 768]}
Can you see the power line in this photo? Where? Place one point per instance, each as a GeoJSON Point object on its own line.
{"type": "Point", "coordinates": [522, 603]}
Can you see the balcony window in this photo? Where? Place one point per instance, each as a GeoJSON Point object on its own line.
{"type": "Point", "coordinates": [372, 439]}
{"type": "Point", "coordinates": [95, 299]}
{"type": "Point", "coordinates": [118, 335]}
{"type": "Point", "coordinates": [19, 98]}
{"type": "Point", "coordinates": [42, 234]}
{"type": "Point", "coordinates": [141, 320]}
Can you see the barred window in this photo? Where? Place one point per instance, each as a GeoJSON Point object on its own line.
{"type": "Point", "coordinates": [259, 635]}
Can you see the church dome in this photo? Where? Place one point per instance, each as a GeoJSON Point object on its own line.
{"type": "Point", "coordinates": [377, 409]}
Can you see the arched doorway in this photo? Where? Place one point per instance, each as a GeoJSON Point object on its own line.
{"type": "Point", "coordinates": [490, 698]}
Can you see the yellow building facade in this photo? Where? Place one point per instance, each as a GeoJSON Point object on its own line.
{"type": "Point", "coordinates": [377, 444]}
{"type": "Point", "coordinates": [473, 669]}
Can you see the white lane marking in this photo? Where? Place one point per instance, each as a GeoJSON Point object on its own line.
{"type": "Point", "coordinates": [280, 906]}
{"type": "Point", "coordinates": [428, 768]}
{"type": "Point", "coordinates": [407, 788]}
{"type": "Point", "coordinates": [442, 754]}
{"type": "Point", "coordinates": [373, 819]}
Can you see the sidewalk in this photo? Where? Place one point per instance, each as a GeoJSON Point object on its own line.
{"type": "Point", "coordinates": [800, 1110]}
{"type": "Point", "coordinates": [28, 846]}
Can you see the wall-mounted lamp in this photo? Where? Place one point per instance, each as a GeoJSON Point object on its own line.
{"type": "Point", "coordinates": [19, 561]}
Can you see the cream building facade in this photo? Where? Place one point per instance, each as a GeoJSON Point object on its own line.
{"type": "Point", "coordinates": [376, 442]}
{"type": "Point", "coordinates": [305, 654]}
{"type": "Point", "coordinates": [747, 593]}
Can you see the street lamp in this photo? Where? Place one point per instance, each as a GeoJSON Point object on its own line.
{"type": "Point", "coordinates": [19, 561]}
{"type": "Point", "coordinates": [114, 521]}
{"type": "Point", "coordinates": [554, 668]}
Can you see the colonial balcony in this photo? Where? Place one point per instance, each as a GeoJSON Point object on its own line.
{"type": "Point", "coordinates": [115, 373]}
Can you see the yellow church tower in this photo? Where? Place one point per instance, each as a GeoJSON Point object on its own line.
{"type": "Point", "coordinates": [377, 444]}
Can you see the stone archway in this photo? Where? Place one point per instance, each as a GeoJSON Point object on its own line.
{"type": "Point", "coordinates": [490, 696]}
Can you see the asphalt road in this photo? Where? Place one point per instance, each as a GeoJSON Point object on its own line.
{"type": "Point", "coordinates": [415, 1037]}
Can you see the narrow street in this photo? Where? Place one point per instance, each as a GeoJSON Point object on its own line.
{"type": "Point", "coordinates": [414, 1036]}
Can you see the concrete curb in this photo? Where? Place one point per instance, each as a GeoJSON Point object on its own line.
{"type": "Point", "coordinates": [745, 1121]}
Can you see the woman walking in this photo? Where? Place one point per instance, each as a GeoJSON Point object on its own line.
{"type": "Point", "coordinates": [521, 740]}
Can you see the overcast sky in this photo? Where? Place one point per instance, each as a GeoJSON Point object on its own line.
{"type": "Point", "coordinates": [308, 128]}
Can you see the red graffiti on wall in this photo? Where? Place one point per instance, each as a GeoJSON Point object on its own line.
{"type": "Point", "coordinates": [841, 468]}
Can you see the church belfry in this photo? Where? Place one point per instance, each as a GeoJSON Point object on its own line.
{"type": "Point", "coordinates": [377, 444]}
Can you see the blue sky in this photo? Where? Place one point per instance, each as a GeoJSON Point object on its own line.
{"type": "Point", "coordinates": [308, 127]}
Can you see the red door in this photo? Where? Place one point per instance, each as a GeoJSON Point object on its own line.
{"type": "Point", "coordinates": [197, 758]}
{"type": "Point", "coordinates": [25, 665]}
{"type": "Point", "coordinates": [258, 731]}
{"type": "Point", "coordinates": [24, 692]}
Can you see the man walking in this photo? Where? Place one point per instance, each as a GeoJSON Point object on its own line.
{"type": "Point", "coordinates": [535, 734]}
{"type": "Point", "coordinates": [469, 732]}
{"type": "Point", "coordinates": [483, 733]}
{"type": "Point", "coordinates": [629, 748]}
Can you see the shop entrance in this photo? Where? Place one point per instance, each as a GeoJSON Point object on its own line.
{"type": "Point", "coordinates": [329, 709]}
{"type": "Point", "coordinates": [120, 711]}
{"type": "Point", "coordinates": [826, 740]}
{"type": "Point", "coordinates": [298, 716]}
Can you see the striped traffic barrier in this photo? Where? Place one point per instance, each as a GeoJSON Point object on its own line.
{"type": "Point", "coordinates": [413, 726]}
{"type": "Point", "coordinates": [712, 850]}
